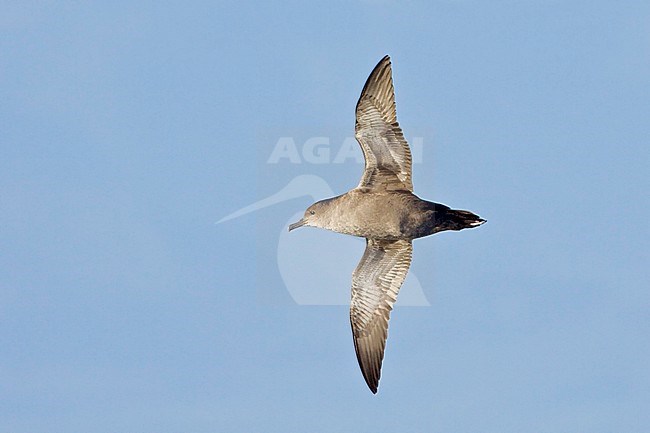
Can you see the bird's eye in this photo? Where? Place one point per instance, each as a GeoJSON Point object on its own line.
{"type": "Point", "coordinates": [312, 212]}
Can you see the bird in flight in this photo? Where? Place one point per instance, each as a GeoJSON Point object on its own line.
{"type": "Point", "coordinates": [384, 210]}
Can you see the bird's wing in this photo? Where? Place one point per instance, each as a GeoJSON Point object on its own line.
{"type": "Point", "coordinates": [387, 154]}
{"type": "Point", "coordinates": [375, 284]}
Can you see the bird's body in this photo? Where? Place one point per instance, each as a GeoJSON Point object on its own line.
{"type": "Point", "coordinates": [386, 215]}
{"type": "Point", "coordinates": [384, 210]}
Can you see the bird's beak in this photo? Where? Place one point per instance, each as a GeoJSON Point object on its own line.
{"type": "Point", "coordinates": [295, 225]}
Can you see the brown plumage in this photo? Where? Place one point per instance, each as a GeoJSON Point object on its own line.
{"type": "Point", "coordinates": [384, 210]}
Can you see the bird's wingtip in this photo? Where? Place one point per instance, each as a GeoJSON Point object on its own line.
{"type": "Point", "coordinates": [373, 384]}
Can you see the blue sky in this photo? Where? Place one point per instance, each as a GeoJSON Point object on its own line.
{"type": "Point", "coordinates": [127, 130]}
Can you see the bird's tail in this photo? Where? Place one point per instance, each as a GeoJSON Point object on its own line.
{"type": "Point", "coordinates": [455, 219]}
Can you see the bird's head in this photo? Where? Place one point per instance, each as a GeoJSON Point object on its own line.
{"type": "Point", "coordinates": [316, 215]}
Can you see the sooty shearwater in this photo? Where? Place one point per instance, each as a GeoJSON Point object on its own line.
{"type": "Point", "coordinates": [384, 210]}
